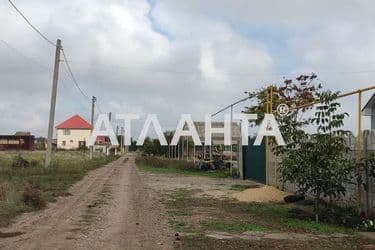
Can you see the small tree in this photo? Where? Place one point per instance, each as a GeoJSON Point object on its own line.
{"type": "Point", "coordinates": [294, 93]}
{"type": "Point", "coordinates": [318, 164]}
{"type": "Point", "coordinates": [302, 90]}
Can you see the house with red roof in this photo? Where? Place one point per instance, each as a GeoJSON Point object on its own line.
{"type": "Point", "coordinates": [73, 133]}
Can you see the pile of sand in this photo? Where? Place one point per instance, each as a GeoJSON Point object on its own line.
{"type": "Point", "coordinates": [261, 194]}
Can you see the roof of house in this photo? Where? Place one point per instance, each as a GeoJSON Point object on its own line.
{"type": "Point", "coordinates": [74, 122]}
{"type": "Point", "coordinates": [370, 105]}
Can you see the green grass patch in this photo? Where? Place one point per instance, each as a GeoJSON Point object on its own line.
{"type": "Point", "coordinates": [240, 216]}
{"type": "Point", "coordinates": [207, 214]}
{"type": "Point", "coordinates": [223, 226]}
{"type": "Point", "coordinates": [158, 165]}
{"type": "Point", "coordinates": [180, 226]}
{"type": "Point", "coordinates": [24, 189]}
{"type": "Point", "coordinates": [313, 227]}
{"type": "Point", "coordinates": [174, 213]}
{"type": "Point", "coordinates": [239, 187]}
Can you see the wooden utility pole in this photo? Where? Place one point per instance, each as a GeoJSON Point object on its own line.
{"type": "Point", "coordinates": [93, 100]}
{"type": "Point", "coordinates": [53, 104]}
{"type": "Point", "coordinates": [122, 139]}
{"type": "Point", "coordinates": [268, 111]}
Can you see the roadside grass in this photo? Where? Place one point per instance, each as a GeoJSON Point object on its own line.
{"type": "Point", "coordinates": [30, 188]}
{"type": "Point", "coordinates": [167, 166]}
{"type": "Point", "coordinates": [180, 226]}
{"type": "Point", "coordinates": [203, 242]}
{"type": "Point", "coordinates": [232, 216]}
{"type": "Point", "coordinates": [239, 187]}
{"type": "Point", "coordinates": [172, 170]}
{"type": "Point", "coordinates": [196, 216]}
{"type": "Point", "coordinates": [229, 226]}
{"type": "Point", "coordinates": [312, 226]}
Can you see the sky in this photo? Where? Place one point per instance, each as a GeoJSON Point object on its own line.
{"type": "Point", "coordinates": [171, 57]}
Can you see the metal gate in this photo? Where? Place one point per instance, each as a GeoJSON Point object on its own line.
{"type": "Point", "coordinates": [254, 161]}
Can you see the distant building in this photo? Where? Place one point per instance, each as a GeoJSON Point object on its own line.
{"type": "Point", "coordinates": [73, 133]}
{"type": "Point", "coordinates": [369, 110]}
{"type": "Point", "coordinates": [19, 141]}
{"type": "Point", "coordinates": [217, 138]}
{"type": "Point", "coordinates": [22, 133]}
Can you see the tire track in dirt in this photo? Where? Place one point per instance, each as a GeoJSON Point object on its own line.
{"type": "Point", "coordinates": [134, 219]}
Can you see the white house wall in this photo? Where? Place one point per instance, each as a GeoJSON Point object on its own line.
{"type": "Point", "coordinates": [72, 140]}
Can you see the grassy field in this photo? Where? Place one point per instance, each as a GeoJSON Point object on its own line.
{"type": "Point", "coordinates": [197, 216]}
{"type": "Point", "coordinates": [24, 189]}
{"type": "Point", "coordinates": [165, 166]}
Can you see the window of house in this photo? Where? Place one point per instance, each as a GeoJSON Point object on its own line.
{"type": "Point", "coordinates": [66, 131]}
{"type": "Point", "coordinates": [63, 143]}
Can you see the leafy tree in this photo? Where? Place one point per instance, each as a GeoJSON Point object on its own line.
{"type": "Point", "coordinates": [133, 145]}
{"type": "Point", "coordinates": [294, 93]}
{"type": "Point", "coordinates": [148, 147]}
{"type": "Point", "coordinates": [297, 92]}
{"type": "Point", "coordinates": [318, 164]}
{"type": "Point", "coordinates": [153, 147]}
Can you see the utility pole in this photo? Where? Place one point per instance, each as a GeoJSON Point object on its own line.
{"type": "Point", "coordinates": [53, 104]}
{"type": "Point", "coordinates": [110, 120]}
{"type": "Point", "coordinates": [93, 100]}
{"type": "Point", "coordinates": [122, 140]}
{"type": "Point", "coordinates": [231, 143]}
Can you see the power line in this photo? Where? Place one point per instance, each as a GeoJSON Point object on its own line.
{"type": "Point", "coordinates": [10, 47]}
{"type": "Point", "coordinates": [75, 80]}
{"type": "Point", "coordinates": [19, 53]}
{"type": "Point", "coordinates": [99, 109]}
{"type": "Point", "coordinates": [53, 44]}
{"type": "Point", "coordinates": [31, 25]}
{"type": "Point", "coordinates": [72, 75]}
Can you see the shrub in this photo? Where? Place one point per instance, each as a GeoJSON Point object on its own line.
{"type": "Point", "coordinates": [32, 196]}
{"type": "Point", "coordinates": [20, 162]}
{"type": "Point", "coordinates": [34, 163]}
{"type": "Point", "coordinates": [158, 162]}
{"type": "Point", "coordinates": [4, 189]}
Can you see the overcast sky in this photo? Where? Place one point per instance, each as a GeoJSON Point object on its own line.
{"type": "Point", "coordinates": [171, 57]}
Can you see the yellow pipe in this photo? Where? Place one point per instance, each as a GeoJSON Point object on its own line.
{"type": "Point", "coordinates": [267, 154]}
{"type": "Point", "coordinates": [339, 96]}
{"type": "Point", "coordinates": [359, 145]}
{"type": "Point", "coordinates": [275, 161]}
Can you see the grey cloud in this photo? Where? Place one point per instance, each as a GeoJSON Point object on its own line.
{"type": "Point", "coordinates": [196, 62]}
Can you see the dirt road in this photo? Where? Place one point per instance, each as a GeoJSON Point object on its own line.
{"type": "Point", "coordinates": [111, 208]}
